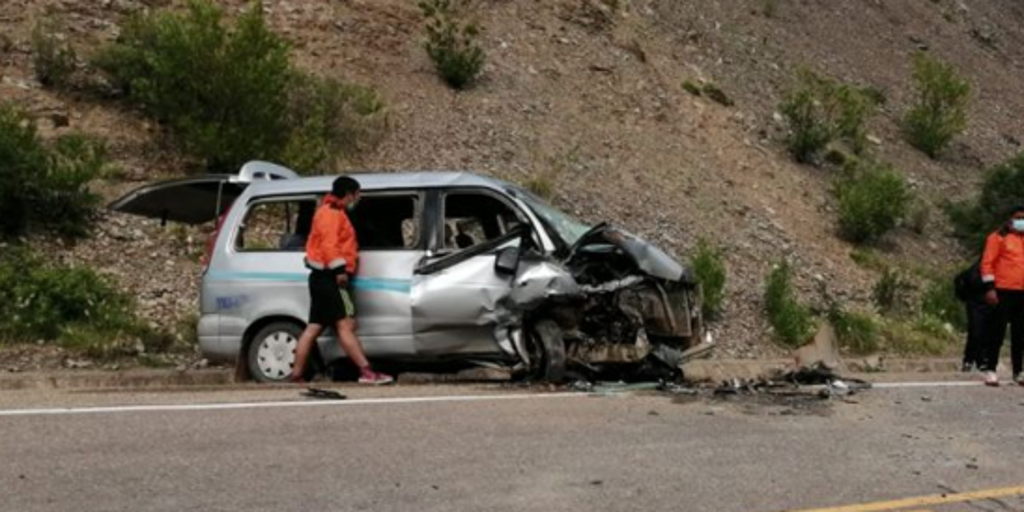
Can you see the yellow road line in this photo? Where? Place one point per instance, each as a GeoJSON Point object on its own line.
{"type": "Point", "coordinates": [924, 501]}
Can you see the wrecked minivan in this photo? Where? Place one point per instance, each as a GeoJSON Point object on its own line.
{"type": "Point", "coordinates": [454, 267]}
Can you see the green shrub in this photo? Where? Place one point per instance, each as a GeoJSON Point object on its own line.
{"type": "Point", "coordinates": [708, 265]}
{"type": "Point", "coordinates": [717, 95]}
{"type": "Point", "coordinates": [940, 110]}
{"type": "Point", "coordinates": [858, 333]}
{"type": "Point", "coordinates": [45, 188]}
{"type": "Point", "coordinates": [329, 121]}
{"type": "Point", "coordinates": [820, 111]}
{"type": "Point", "coordinates": [939, 301]}
{"type": "Point", "coordinates": [692, 87]}
{"type": "Point", "coordinates": [792, 322]}
{"type": "Point", "coordinates": [450, 44]}
{"type": "Point", "coordinates": [893, 293]}
{"type": "Point", "coordinates": [542, 185]}
{"type": "Point", "coordinates": [220, 90]}
{"type": "Point", "coordinates": [917, 337]}
{"type": "Point", "coordinates": [71, 305]}
{"type": "Point", "coordinates": [53, 59]}
{"type": "Point", "coordinates": [228, 93]}
{"type": "Point", "coordinates": [1001, 190]}
{"type": "Point", "coordinates": [873, 199]}
{"type": "Point", "coordinates": [918, 216]}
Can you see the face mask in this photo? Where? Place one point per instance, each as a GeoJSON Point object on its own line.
{"type": "Point", "coordinates": [1018, 225]}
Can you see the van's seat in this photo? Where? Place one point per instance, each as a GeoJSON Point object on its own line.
{"type": "Point", "coordinates": [292, 241]}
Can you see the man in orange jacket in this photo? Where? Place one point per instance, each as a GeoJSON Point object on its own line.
{"type": "Point", "coordinates": [332, 255]}
{"type": "Point", "coordinates": [1002, 271]}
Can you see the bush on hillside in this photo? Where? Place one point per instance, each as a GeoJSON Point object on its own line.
{"type": "Point", "coordinates": [857, 333]}
{"type": "Point", "coordinates": [54, 60]}
{"type": "Point", "coordinates": [42, 187]}
{"type": "Point", "coordinates": [893, 294]}
{"type": "Point", "coordinates": [451, 45]}
{"type": "Point", "coordinates": [939, 301]}
{"type": "Point", "coordinates": [940, 110]}
{"type": "Point", "coordinates": [708, 265]}
{"type": "Point", "coordinates": [820, 111]}
{"type": "Point", "coordinates": [792, 322]}
{"type": "Point", "coordinates": [72, 306]}
{"type": "Point", "coordinates": [1002, 189]}
{"type": "Point", "coordinates": [228, 93]}
{"type": "Point", "coordinates": [873, 199]}
{"type": "Point", "coordinates": [329, 122]}
{"type": "Point", "coordinates": [222, 91]}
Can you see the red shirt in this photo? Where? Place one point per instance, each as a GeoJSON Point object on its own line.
{"type": "Point", "coordinates": [1003, 261]}
{"type": "Point", "coordinates": [332, 243]}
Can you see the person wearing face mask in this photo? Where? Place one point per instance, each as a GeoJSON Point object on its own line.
{"type": "Point", "coordinates": [332, 255]}
{"type": "Point", "coordinates": [1002, 272]}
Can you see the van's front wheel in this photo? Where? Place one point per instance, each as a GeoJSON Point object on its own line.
{"type": "Point", "coordinates": [271, 354]}
{"type": "Point", "coordinates": [546, 348]}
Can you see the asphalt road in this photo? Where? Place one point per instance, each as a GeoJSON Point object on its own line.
{"type": "Point", "coordinates": [493, 448]}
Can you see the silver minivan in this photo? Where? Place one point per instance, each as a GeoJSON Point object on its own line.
{"type": "Point", "coordinates": [454, 267]}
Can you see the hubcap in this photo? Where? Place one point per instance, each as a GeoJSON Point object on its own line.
{"type": "Point", "coordinates": [276, 355]}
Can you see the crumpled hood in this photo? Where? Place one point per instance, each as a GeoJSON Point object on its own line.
{"type": "Point", "coordinates": [647, 256]}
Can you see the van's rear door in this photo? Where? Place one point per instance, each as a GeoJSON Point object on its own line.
{"type": "Point", "coordinates": [198, 199]}
{"type": "Point", "coordinates": [190, 200]}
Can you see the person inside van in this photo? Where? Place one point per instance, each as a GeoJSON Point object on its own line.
{"type": "Point", "coordinates": [332, 255]}
{"type": "Point", "coordinates": [1002, 271]}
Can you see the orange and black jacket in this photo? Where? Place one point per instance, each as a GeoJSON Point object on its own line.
{"type": "Point", "coordinates": [1002, 264]}
{"type": "Point", "coordinates": [332, 244]}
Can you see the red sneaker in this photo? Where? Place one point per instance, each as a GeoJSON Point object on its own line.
{"type": "Point", "coordinates": [368, 376]}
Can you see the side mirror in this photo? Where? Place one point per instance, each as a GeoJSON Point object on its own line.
{"type": "Point", "coordinates": [507, 261]}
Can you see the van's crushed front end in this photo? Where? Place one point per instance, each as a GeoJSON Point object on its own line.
{"type": "Point", "coordinates": [623, 307]}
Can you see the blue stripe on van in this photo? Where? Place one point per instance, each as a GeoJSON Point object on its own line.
{"type": "Point", "coordinates": [361, 283]}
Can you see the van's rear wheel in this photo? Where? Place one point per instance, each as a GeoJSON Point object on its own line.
{"type": "Point", "coordinates": [546, 348]}
{"type": "Point", "coordinates": [272, 352]}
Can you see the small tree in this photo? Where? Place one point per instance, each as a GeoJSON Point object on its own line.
{"type": "Point", "coordinates": [220, 89]}
{"type": "Point", "coordinates": [451, 45]}
{"type": "Point", "coordinates": [1002, 189]}
{"type": "Point", "coordinates": [872, 201]}
{"type": "Point", "coordinates": [940, 110]}
{"type": "Point", "coordinates": [44, 187]}
{"type": "Point", "coordinates": [709, 267]}
{"type": "Point", "coordinates": [820, 111]}
{"type": "Point", "coordinates": [792, 321]}
{"type": "Point", "coordinates": [53, 59]}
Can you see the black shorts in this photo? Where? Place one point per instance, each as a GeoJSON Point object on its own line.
{"type": "Point", "coordinates": [329, 302]}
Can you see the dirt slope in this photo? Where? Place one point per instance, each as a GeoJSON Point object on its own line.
{"type": "Point", "coordinates": [593, 97]}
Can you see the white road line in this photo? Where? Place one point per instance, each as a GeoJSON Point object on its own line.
{"type": "Point", "coordinates": [269, 405]}
{"type": "Point", "coordinates": [951, 384]}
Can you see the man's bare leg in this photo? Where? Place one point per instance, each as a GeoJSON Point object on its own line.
{"type": "Point", "coordinates": [303, 349]}
{"type": "Point", "coordinates": [350, 342]}
{"type": "Point", "coordinates": [354, 349]}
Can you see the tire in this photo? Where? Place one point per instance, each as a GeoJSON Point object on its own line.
{"type": "Point", "coordinates": [547, 351]}
{"type": "Point", "coordinates": [271, 354]}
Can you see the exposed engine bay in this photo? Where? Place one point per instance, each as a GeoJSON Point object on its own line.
{"type": "Point", "coordinates": [623, 306]}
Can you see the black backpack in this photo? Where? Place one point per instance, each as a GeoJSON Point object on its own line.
{"type": "Point", "coordinates": [967, 284]}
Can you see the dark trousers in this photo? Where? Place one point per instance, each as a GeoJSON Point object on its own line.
{"type": "Point", "coordinates": [1009, 311]}
{"type": "Point", "coordinates": [979, 318]}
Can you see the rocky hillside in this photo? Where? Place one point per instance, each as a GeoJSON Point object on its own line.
{"type": "Point", "coordinates": [589, 93]}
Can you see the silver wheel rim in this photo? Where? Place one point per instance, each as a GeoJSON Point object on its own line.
{"type": "Point", "coordinates": [276, 355]}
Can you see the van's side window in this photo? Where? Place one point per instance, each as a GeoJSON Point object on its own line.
{"type": "Point", "coordinates": [276, 226]}
{"type": "Point", "coordinates": [473, 218]}
{"type": "Point", "coordinates": [387, 222]}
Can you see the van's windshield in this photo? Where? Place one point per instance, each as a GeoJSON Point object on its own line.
{"type": "Point", "coordinates": [565, 227]}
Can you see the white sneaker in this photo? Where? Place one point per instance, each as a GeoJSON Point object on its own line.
{"type": "Point", "coordinates": [1019, 379]}
{"type": "Point", "coordinates": [991, 379]}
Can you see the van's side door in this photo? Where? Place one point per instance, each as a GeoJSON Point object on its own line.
{"type": "Point", "coordinates": [456, 290]}
{"type": "Point", "coordinates": [389, 225]}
